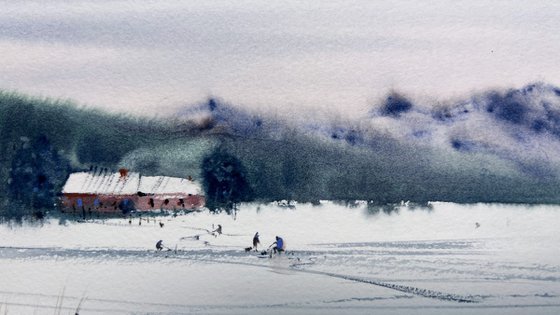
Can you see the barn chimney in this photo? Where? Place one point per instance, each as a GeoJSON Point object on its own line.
{"type": "Point", "coordinates": [123, 172]}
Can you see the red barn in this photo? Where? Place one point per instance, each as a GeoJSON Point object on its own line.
{"type": "Point", "coordinates": [124, 191]}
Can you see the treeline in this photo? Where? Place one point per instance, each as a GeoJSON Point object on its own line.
{"type": "Point", "coordinates": [308, 170]}
{"type": "Point", "coordinates": [237, 160]}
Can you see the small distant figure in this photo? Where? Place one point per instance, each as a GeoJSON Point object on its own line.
{"type": "Point", "coordinates": [477, 225]}
{"type": "Point", "coordinates": [218, 230]}
{"type": "Point", "coordinates": [161, 224]}
{"type": "Point", "coordinates": [256, 241]}
{"type": "Point", "coordinates": [279, 245]}
{"type": "Point", "coordinates": [159, 245]}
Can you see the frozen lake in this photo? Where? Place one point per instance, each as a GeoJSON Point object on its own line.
{"type": "Point", "coordinates": [339, 260]}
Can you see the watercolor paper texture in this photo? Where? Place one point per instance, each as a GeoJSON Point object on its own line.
{"type": "Point", "coordinates": [404, 155]}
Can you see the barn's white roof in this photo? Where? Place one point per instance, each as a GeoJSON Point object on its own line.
{"type": "Point", "coordinates": [167, 185]}
{"type": "Point", "coordinates": [106, 183]}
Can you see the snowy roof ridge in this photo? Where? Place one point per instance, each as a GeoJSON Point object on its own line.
{"type": "Point", "coordinates": [103, 182]}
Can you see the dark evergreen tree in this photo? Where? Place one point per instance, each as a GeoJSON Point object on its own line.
{"type": "Point", "coordinates": [225, 181]}
{"type": "Point", "coordinates": [37, 173]}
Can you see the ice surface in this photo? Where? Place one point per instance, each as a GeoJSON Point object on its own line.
{"type": "Point", "coordinates": [339, 260]}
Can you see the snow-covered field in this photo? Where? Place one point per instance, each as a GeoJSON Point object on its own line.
{"type": "Point", "coordinates": [339, 260]}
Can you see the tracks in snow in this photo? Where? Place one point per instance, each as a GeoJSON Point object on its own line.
{"type": "Point", "coordinates": [82, 253]}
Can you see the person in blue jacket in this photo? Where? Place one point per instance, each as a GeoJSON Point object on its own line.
{"type": "Point", "coordinates": [279, 245]}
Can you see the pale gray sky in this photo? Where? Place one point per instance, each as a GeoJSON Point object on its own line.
{"type": "Point", "coordinates": [150, 57]}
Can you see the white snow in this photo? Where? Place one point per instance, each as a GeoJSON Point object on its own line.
{"type": "Point", "coordinates": [167, 185]}
{"type": "Point", "coordinates": [339, 260]}
{"type": "Point", "coordinates": [103, 182]}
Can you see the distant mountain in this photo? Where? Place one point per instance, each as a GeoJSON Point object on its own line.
{"type": "Point", "coordinates": [215, 116]}
{"type": "Point", "coordinates": [521, 126]}
{"type": "Point", "coordinates": [494, 146]}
